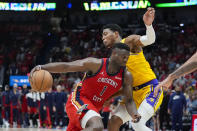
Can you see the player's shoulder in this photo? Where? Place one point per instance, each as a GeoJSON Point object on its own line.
{"type": "Point", "coordinates": [92, 59]}
{"type": "Point", "coordinates": [92, 64]}
{"type": "Point", "coordinates": [132, 37]}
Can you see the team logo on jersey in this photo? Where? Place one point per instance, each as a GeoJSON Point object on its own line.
{"type": "Point", "coordinates": [118, 78]}
{"type": "Point", "coordinates": [109, 81]}
{"type": "Point", "coordinates": [176, 97]}
{"type": "Point", "coordinates": [102, 73]}
{"type": "Point", "coordinates": [151, 100]}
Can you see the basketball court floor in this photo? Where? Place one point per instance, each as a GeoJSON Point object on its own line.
{"type": "Point", "coordinates": [29, 129]}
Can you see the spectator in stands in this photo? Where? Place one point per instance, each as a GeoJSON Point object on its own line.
{"type": "Point", "coordinates": [42, 111]}
{"type": "Point", "coordinates": [176, 107]}
{"type": "Point", "coordinates": [50, 107]}
{"type": "Point", "coordinates": [2, 70]}
{"type": "Point", "coordinates": [1, 105]}
{"type": "Point", "coordinates": [60, 101]}
{"type": "Point", "coordinates": [193, 107]}
{"type": "Point", "coordinates": [164, 117]}
{"type": "Point", "coordinates": [24, 111]}
{"type": "Point", "coordinates": [6, 105]}
{"type": "Point", "coordinates": [15, 106]}
{"type": "Point", "coordinates": [32, 105]}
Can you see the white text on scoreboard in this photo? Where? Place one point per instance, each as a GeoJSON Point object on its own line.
{"type": "Point", "coordinates": [98, 6]}
{"type": "Point", "coordinates": [27, 6]}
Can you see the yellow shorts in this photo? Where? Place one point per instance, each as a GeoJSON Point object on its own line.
{"type": "Point", "coordinates": [146, 92]}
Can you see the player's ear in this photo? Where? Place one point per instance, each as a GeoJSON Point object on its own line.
{"type": "Point", "coordinates": [116, 34]}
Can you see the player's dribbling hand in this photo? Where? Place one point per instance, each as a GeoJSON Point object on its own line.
{"type": "Point", "coordinates": [149, 16]}
{"type": "Point", "coordinates": [165, 84]}
{"type": "Point", "coordinates": [136, 118]}
{"type": "Point", "coordinates": [36, 68]}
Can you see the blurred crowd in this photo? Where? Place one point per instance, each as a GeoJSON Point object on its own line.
{"type": "Point", "coordinates": [25, 45]}
{"type": "Point", "coordinates": [23, 108]}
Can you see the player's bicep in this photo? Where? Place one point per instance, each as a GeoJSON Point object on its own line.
{"type": "Point", "coordinates": [127, 86]}
{"type": "Point", "coordinates": [81, 65]}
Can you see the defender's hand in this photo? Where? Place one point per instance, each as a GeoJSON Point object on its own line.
{"type": "Point", "coordinates": [165, 84]}
{"type": "Point", "coordinates": [136, 118]}
{"type": "Point", "coordinates": [149, 16]}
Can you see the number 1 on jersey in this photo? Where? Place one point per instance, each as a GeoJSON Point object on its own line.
{"type": "Point", "coordinates": [104, 89]}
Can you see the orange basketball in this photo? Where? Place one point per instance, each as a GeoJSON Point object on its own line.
{"type": "Point", "coordinates": [41, 81]}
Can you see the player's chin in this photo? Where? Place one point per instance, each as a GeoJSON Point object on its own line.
{"type": "Point", "coordinates": [107, 45]}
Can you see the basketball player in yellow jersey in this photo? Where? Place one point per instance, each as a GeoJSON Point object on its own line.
{"type": "Point", "coordinates": [144, 79]}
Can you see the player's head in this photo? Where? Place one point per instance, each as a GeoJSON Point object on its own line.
{"type": "Point", "coordinates": [110, 34]}
{"type": "Point", "coordinates": [120, 54]}
{"type": "Point", "coordinates": [59, 88]}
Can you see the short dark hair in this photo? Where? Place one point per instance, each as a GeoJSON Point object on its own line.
{"type": "Point", "coordinates": [113, 27]}
{"type": "Point", "coordinates": [121, 46]}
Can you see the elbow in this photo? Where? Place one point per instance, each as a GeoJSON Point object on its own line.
{"type": "Point", "coordinates": [147, 40]}
{"type": "Point", "coordinates": [152, 40]}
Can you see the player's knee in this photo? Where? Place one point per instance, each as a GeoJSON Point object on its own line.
{"type": "Point", "coordinates": [95, 123]}
{"type": "Point", "coordinates": [99, 128]}
{"type": "Point", "coordinates": [115, 121]}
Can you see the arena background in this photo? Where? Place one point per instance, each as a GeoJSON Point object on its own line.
{"type": "Point", "coordinates": [34, 32]}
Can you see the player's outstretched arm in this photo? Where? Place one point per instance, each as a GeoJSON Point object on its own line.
{"type": "Point", "coordinates": [137, 41]}
{"type": "Point", "coordinates": [87, 64]}
{"type": "Point", "coordinates": [188, 67]}
{"type": "Point", "coordinates": [128, 94]}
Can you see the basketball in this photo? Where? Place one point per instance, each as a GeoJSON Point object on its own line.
{"type": "Point", "coordinates": [41, 81]}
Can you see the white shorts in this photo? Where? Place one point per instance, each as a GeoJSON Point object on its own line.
{"type": "Point", "coordinates": [121, 112]}
{"type": "Point", "coordinates": [145, 110]}
{"type": "Point", "coordinates": [88, 116]}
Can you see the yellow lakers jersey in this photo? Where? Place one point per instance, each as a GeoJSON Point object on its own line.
{"type": "Point", "coordinates": [140, 68]}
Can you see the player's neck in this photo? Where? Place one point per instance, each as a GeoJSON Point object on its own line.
{"type": "Point", "coordinates": [118, 40]}
{"type": "Point", "coordinates": [113, 67]}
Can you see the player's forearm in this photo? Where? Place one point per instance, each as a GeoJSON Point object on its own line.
{"type": "Point", "coordinates": [56, 67]}
{"type": "Point", "coordinates": [131, 107]}
{"type": "Point", "coordinates": [186, 69]}
{"type": "Point", "coordinates": [150, 36]}
{"type": "Point", "coordinates": [189, 66]}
